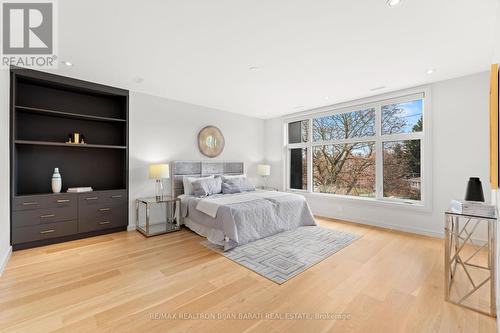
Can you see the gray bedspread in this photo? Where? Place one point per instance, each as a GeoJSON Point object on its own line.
{"type": "Point", "coordinates": [245, 222]}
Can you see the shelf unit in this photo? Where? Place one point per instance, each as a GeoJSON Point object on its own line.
{"type": "Point", "coordinates": [66, 114]}
{"type": "Point", "coordinates": [45, 109]}
{"type": "Point", "coordinates": [65, 144]}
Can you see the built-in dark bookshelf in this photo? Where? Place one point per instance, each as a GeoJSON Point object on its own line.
{"type": "Point", "coordinates": [45, 110]}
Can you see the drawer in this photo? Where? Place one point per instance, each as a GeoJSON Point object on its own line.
{"type": "Point", "coordinates": [101, 216]}
{"type": "Point", "coordinates": [46, 231]}
{"type": "Point", "coordinates": [41, 216]}
{"type": "Point", "coordinates": [31, 202]}
{"type": "Point", "coordinates": [98, 197]}
{"type": "Point", "coordinates": [117, 196]}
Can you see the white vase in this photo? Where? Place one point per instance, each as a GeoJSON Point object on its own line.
{"type": "Point", "coordinates": [56, 181]}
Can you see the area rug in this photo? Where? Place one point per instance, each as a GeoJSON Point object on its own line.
{"type": "Point", "coordinates": [282, 256]}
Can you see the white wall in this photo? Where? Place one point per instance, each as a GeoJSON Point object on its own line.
{"type": "Point", "coordinates": [163, 130]}
{"type": "Point", "coordinates": [275, 142]}
{"type": "Point", "coordinates": [5, 248]}
{"type": "Point", "coordinates": [459, 119]}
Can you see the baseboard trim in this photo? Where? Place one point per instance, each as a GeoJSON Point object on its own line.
{"type": "Point", "coordinates": [5, 259]}
{"type": "Point", "coordinates": [411, 230]}
{"type": "Point", "coordinates": [498, 315]}
{"type": "Point", "coordinates": [131, 227]}
{"type": "Point", "coordinates": [418, 231]}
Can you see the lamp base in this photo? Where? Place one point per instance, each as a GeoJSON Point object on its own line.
{"type": "Point", "coordinates": [159, 189]}
{"type": "Point", "coordinates": [264, 182]}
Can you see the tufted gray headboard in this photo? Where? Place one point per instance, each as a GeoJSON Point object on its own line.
{"type": "Point", "coordinates": [179, 169]}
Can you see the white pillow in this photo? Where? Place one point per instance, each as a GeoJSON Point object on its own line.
{"type": "Point", "coordinates": [187, 181]}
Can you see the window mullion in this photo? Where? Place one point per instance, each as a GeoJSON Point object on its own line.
{"type": "Point", "coordinates": [403, 136]}
{"type": "Point", "coordinates": [343, 141]}
{"type": "Point", "coordinates": [287, 171]}
{"type": "Point", "coordinates": [297, 145]}
{"type": "Point", "coordinates": [310, 158]}
{"type": "Point", "coordinates": [379, 160]}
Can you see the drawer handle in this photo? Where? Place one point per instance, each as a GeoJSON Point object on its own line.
{"type": "Point", "coordinates": [47, 216]}
{"type": "Point", "coordinates": [30, 203]}
{"type": "Point", "coordinates": [92, 198]}
{"type": "Point", "coordinates": [105, 222]}
{"type": "Point", "coordinates": [62, 200]}
{"type": "Point", "coordinates": [116, 196]}
{"type": "Point", "coordinates": [104, 209]}
{"type": "Point", "coordinates": [47, 231]}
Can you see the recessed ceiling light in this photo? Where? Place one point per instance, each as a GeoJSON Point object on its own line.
{"type": "Point", "coordinates": [430, 71]}
{"type": "Point", "coordinates": [326, 98]}
{"type": "Point", "coordinates": [253, 68]}
{"type": "Point", "coordinates": [67, 63]}
{"type": "Point", "coordinates": [298, 107]}
{"type": "Point", "coordinates": [378, 88]}
{"type": "Point", "coordinates": [393, 3]}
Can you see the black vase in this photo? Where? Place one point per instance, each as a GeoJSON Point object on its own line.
{"type": "Point", "coordinates": [474, 190]}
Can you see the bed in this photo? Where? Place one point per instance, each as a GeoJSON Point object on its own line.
{"type": "Point", "coordinates": [231, 220]}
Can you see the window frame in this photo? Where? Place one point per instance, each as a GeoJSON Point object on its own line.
{"type": "Point", "coordinates": [424, 93]}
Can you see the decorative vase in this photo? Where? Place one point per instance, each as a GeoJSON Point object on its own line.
{"type": "Point", "coordinates": [474, 190]}
{"type": "Point", "coordinates": [56, 181]}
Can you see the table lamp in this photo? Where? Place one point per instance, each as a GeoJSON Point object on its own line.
{"type": "Point", "coordinates": [159, 172]}
{"type": "Point", "coordinates": [474, 190]}
{"type": "Point", "coordinates": [264, 170]}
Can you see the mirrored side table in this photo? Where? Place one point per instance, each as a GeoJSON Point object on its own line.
{"type": "Point", "coordinates": [144, 223]}
{"type": "Point", "coordinates": [470, 261]}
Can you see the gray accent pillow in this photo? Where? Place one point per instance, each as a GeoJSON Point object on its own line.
{"type": "Point", "coordinates": [242, 182]}
{"type": "Point", "coordinates": [207, 186]}
{"type": "Point", "coordinates": [230, 177]}
{"type": "Point", "coordinates": [188, 181]}
{"type": "Point", "coordinates": [230, 188]}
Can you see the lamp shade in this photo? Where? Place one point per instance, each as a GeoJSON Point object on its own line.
{"type": "Point", "coordinates": [263, 169]}
{"type": "Point", "coordinates": [159, 171]}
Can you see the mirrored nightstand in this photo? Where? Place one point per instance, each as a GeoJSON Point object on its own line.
{"type": "Point", "coordinates": [144, 223]}
{"type": "Point", "coordinates": [470, 262]}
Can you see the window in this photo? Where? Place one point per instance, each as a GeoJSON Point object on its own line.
{"type": "Point", "coordinates": [402, 117]}
{"type": "Point", "coordinates": [347, 169]}
{"type": "Point", "coordinates": [402, 169]}
{"type": "Point", "coordinates": [298, 131]}
{"type": "Point", "coordinates": [371, 151]}
{"type": "Point", "coordinates": [344, 125]}
{"type": "Point", "coordinates": [298, 168]}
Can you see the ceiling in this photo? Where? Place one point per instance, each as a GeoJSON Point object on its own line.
{"type": "Point", "coordinates": [307, 53]}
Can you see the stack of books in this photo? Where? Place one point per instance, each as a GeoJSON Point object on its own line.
{"type": "Point", "coordinates": [79, 189]}
{"type": "Point", "coordinates": [475, 208]}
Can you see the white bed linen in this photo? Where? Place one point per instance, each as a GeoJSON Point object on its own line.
{"type": "Point", "coordinates": [213, 235]}
{"type": "Point", "coordinates": [253, 217]}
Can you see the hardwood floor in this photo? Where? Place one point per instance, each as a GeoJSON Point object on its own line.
{"type": "Point", "coordinates": [385, 282]}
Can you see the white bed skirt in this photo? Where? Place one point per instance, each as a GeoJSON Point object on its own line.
{"type": "Point", "coordinates": [212, 235]}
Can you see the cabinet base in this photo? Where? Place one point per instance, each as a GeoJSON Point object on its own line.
{"type": "Point", "coordinates": [43, 242]}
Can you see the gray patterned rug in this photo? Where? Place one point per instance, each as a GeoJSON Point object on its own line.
{"type": "Point", "coordinates": [282, 256]}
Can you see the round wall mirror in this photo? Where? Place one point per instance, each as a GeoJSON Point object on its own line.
{"type": "Point", "coordinates": [211, 141]}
